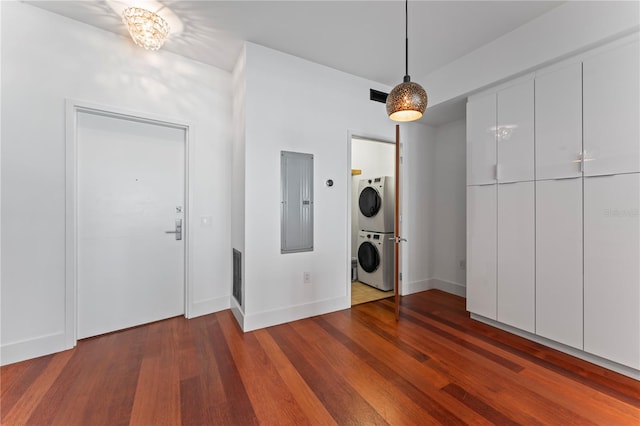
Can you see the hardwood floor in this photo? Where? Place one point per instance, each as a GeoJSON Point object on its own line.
{"type": "Point", "coordinates": [354, 367]}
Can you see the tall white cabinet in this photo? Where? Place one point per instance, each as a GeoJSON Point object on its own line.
{"type": "Point", "coordinates": [553, 213]}
{"type": "Point", "coordinates": [558, 154]}
{"type": "Point", "coordinates": [500, 200]}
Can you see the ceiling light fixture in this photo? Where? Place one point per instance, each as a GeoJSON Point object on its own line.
{"type": "Point", "coordinates": [147, 29]}
{"type": "Point", "coordinates": [407, 101]}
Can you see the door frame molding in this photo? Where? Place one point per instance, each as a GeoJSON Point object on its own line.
{"type": "Point", "coordinates": [355, 134]}
{"type": "Point", "coordinates": [72, 108]}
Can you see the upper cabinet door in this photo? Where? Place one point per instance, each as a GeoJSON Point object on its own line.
{"type": "Point", "coordinates": [515, 133]}
{"type": "Point", "coordinates": [611, 110]}
{"type": "Point", "coordinates": [481, 140]}
{"type": "Point", "coordinates": [558, 107]}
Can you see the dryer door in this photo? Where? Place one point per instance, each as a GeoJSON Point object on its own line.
{"type": "Point", "coordinates": [368, 257]}
{"type": "Point", "coordinates": [369, 202]}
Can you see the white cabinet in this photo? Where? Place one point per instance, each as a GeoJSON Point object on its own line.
{"type": "Point", "coordinates": [558, 123]}
{"type": "Point", "coordinates": [515, 133]}
{"type": "Point", "coordinates": [611, 109]}
{"type": "Point", "coordinates": [559, 261]}
{"type": "Point", "coordinates": [481, 140]}
{"type": "Point", "coordinates": [553, 239]}
{"type": "Point", "coordinates": [516, 255]}
{"type": "Point", "coordinates": [481, 250]}
{"type": "Point", "coordinates": [612, 268]}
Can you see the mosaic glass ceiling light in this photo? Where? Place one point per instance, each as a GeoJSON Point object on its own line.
{"type": "Point", "coordinates": [147, 29]}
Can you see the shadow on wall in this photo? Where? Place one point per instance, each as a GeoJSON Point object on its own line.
{"type": "Point", "coordinates": [154, 75]}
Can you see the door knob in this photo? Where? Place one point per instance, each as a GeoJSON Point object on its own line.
{"type": "Point", "coordinates": [398, 240]}
{"type": "Point", "coordinates": [178, 230]}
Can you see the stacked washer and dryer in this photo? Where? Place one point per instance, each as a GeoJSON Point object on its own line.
{"type": "Point", "coordinates": [375, 236]}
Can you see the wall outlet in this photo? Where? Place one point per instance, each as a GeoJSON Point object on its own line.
{"type": "Point", "coordinates": [463, 264]}
{"type": "Point", "coordinates": [307, 277]}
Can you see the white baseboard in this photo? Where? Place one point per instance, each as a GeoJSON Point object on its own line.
{"type": "Point", "coordinates": [32, 348]}
{"type": "Point", "coordinates": [237, 312]}
{"type": "Point", "coordinates": [56, 342]}
{"type": "Point", "coordinates": [294, 313]}
{"type": "Point", "coordinates": [209, 306]}
{"type": "Point", "coordinates": [434, 283]}
{"type": "Point", "coordinates": [415, 287]}
{"type": "Point", "coordinates": [594, 359]}
{"type": "Point", "coordinates": [448, 286]}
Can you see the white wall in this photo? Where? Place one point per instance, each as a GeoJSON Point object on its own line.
{"type": "Point", "coordinates": [296, 105]}
{"type": "Point", "coordinates": [375, 159]}
{"type": "Point", "coordinates": [238, 168]}
{"type": "Point", "coordinates": [47, 58]}
{"type": "Point", "coordinates": [448, 205]}
{"type": "Point", "coordinates": [568, 29]}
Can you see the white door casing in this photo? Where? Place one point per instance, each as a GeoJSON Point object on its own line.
{"type": "Point", "coordinates": [127, 176]}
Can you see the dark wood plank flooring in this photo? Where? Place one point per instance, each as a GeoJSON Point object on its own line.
{"type": "Point", "coordinates": [354, 367]}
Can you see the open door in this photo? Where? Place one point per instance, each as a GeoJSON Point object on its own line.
{"type": "Point", "coordinates": [396, 229]}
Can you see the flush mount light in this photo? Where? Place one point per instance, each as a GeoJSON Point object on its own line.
{"type": "Point", "coordinates": [147, 29]}
{"type": "Point", "coordinates": [407, 101]}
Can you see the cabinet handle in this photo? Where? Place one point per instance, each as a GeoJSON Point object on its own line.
{"type": "Point", "coordinates": [568, 177]}
{"type": "Point", "coordinates": [497, 171]}
{"type": "Point", "coordinates": [581, 161]}
{"type": "Point", "coordinates": [602, 176]}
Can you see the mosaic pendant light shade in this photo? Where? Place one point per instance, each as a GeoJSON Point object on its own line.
{"type": "Point", "coordinates": [407, 101]}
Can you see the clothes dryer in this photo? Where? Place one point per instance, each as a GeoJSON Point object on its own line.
{"type": "Point", "coordinates": [375, 259]}
{"type": "Point", "coordinates": [376, 199]}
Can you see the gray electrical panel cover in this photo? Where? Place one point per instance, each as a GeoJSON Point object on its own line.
{"type": "Point", "coordinates": [296, 203]}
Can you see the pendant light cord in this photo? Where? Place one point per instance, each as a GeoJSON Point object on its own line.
{"type": "Point", "coordinates": [406, 40]}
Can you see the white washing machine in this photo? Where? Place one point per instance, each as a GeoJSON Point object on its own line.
{"type": "Point", "coordinates": [376, 199]}
{"type": "Point", "coordinates": [375, 259]}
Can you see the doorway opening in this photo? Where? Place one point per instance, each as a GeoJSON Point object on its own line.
{"type": "Point", "coordinates": [372, 219]}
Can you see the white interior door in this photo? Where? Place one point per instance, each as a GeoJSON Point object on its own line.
{"type": "Point", "coordinates": [131, 190]}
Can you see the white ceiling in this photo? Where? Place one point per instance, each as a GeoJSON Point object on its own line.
{"type": "Point", "coordinates": [364, 38]}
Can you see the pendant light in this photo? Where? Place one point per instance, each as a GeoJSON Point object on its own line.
{"type": "Point", "coordinates": [407, 101]}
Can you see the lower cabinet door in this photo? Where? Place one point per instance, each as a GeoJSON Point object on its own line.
{"type": "Point", "coordinates": [516, 255]}
{"type": "Point", "coordinates": [481, 250]}
{"type": "Point", "coordinates": [559, 261]}
{"type": "Point", "coordinates": [612, 268]}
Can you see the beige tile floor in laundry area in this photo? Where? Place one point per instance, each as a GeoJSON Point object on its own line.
{"type": "Point", "coordinates": [362, 293]}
